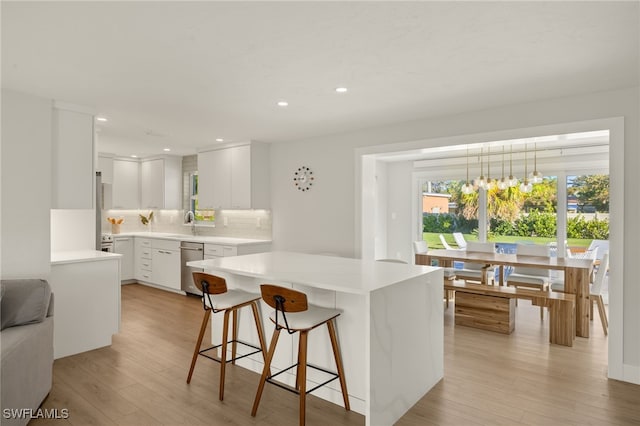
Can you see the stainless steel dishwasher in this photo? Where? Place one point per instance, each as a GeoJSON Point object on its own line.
{"type": "Point", "coordinates": [189, 252]}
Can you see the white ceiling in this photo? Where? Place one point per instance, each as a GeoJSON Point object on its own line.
{"type": "Point", "coordinates": [180, 75]}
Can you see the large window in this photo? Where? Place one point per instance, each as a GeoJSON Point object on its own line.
{"type": "Point", "coordinates": [587, 209]}
{"type": "Point", "coordinates": [207, 216]}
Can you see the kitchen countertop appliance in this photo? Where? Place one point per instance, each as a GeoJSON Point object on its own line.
{"type": "Point", "coordinates": [188, 252]}
{"type": "Point", "coordinates": [106, 243]}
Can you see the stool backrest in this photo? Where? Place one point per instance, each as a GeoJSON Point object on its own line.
{"type": "Point", "coordinates": [284, 299]}
{"type": "Point", "coordinates": [209, 284]}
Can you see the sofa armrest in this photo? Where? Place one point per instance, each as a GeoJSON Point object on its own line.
{"type": "Point", "coordinates": [24, 302]}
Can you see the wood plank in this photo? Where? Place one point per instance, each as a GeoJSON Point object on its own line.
{"type": "Point", "coordinates": [490, 378]}
{"type": "Point", "coordinates": [485, 312]}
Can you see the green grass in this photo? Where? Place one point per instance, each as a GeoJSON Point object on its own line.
{"type": "Point", "coordinates": [433, 240]}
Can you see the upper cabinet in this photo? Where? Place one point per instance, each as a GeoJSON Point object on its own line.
{"type": "Point", "coordinates": [235, 177]}
{"type": "Point", "coordinates": [153, 183]}
{"type": "Point", "coordinates": [105, 166]}
{"type": "Point", "coordinates": [73, 157]}
{"type": "Point", "coordinates": [161, 183]}
{"type": "Point", "coordinates": [126, 184]}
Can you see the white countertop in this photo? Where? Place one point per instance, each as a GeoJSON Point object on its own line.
{"type": "Point", "coordinates": [75, 256]}
{"type": "Point", "coordinates": [229, 241]}
{"type": "Point", "coordinates": [327, 272]}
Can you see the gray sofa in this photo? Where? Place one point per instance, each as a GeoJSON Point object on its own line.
{"type": "Point", "coordinates": [26, 340]}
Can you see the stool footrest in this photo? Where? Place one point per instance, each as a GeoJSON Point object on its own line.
{"type": "Point", "coordinates": [296, 391]}
{"type": "Point", "coordinates": [257, 350]}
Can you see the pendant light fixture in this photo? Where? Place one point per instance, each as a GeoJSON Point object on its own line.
{"type": "Point", "coordinates": [536, 176]}
{"type": "Point", "coordinates": [502, 183]}
{"type": "Point", "coordinates": [525, 186]}
{"type": "Point", "coordinates": [481, 181]}
{"type": "Point", "coordinates": [467, 188]}
{"type": "Point", "coordinates": [490, 182]}
{"type": "Point", "coordinates": [512, 181]}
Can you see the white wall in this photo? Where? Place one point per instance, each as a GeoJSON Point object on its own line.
{"type": "Point", "coordinates": [323, 218]}
{"type": "Point", "coordinates": [73, 229]}
{"type": "Point", "coordinates": [399, 211]}
{"type": "Point", "coordinates": [26, 185]}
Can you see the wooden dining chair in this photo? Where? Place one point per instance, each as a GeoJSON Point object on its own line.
{"type": "Point", "coordinates": [421, 247]}
{"type": "Point", "coordinates": [478, 272]}
{"type": "Point", "coordinates": [531, 277]}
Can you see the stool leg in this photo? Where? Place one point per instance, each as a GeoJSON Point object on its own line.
{"type": "Point", "coordinates": [337, 355]}
{"type": "Point", "coordinates": [265, 370]}
{"type": "Point", "coordinates": [263, 344]}
{"type": "Point", "coordinates": [223, 354]}
{"type": "Point", "coordinates": [234, 333]}
{"type": "Point", "coordinates": [196, 351]}
{"type": "Point", "coordinates": [302, 371]}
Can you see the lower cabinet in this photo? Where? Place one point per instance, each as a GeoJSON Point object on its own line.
{"type": "Point", "coordinates": [158, 262]}
{"type": "Point", "coordinates": [125, 247]}
{"type": "Point", "coordinates": [142, 262]}
{"type": "Point", "coordinates": [166, 267]}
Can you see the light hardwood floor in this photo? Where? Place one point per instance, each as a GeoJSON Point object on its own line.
{"type": "Point", "coordinates": [490, 379]}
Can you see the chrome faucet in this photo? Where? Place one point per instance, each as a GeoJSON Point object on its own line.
{"type": "Point", "coordinates": [190, 218]}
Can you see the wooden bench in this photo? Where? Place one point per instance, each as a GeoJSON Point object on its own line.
{"type": "Point", "coordinates": [492, 307]}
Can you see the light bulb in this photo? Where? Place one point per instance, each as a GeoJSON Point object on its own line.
{"type": "Point", "coordinates": [526, 186]}
{"type": "Point", "coordinates": [481, 182]}
{"type": "Point", "coordinates": [536, 177]}
{"type": "Point", "coordinates": [512, 181]}
{"type": "Point", "coordinates": [467, 188]}
{"type": "Point", "coordinates": [502, 184]}
{"type": "Point", "coordinates": [491, 183]}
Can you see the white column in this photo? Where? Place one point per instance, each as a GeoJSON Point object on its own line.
{"type": "Point", "coordinates": [561, 214]}
{"type": "Point", "coordinates": [483, 223]}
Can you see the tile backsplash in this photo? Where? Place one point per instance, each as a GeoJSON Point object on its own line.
{"type": "Point", "coordinates": [229, 223]}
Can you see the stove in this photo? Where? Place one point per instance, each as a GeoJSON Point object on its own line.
{"type": "Point", "coordinates": [107, 243]}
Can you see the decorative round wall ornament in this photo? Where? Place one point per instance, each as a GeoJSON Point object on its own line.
{"type": "Point", "coordinates": [303, 178]}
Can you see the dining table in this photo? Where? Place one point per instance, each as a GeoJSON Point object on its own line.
{"type": "Point", "coordinates": [577, 273]}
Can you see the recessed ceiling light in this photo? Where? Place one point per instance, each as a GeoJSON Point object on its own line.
{"type": "Point", "coordinates": [167, 149]}
{"type": "Point", "coordinates": [101, 119]}
{"type": "Point", "coordinates": [219, 140]}
{"type": "Point", "coordinates": [341, 89]}
{"type": "Point", "coordinates": [134, 156]}
{"type": "Point", "coordinates": [283, 103]}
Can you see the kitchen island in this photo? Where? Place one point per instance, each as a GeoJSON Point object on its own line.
{"type": "Point", "coordinates": [390, 331]}
{"type": "Point", "coordinates": [86, 288]}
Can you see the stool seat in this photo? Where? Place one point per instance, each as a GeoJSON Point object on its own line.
{"type": "Point", "coordinates": [217, 298]}
{"type": "Point", "coordinates": [230, 299]}
{"type": "Point", "coordinates": [306, 320]}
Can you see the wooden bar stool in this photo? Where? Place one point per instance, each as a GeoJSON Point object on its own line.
{"type": "Point", "coordinates": [216, 298]}
{"type": "Point", "coordinates": [293, 313]}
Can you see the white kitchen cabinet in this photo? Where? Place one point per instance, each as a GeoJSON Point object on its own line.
{"type": "Point", "coordinates": [105, 166]}
{"type": "Point", "coordinates": [235, 177]}
{"type": "Point", "coordinates": [125, 247]}
{"type": "Point", "coordinates": [161, 183]}
{"type": "Point", "coordinates": [126, 184]}
{"type": "Point", "coordinates": [142, 259]}
{"type": "Point", "coordinates": [165, 263]}
{"type": "Point", "coordinates": [214, 177]}
{"type": "Point", "coordinates": [73, 158]}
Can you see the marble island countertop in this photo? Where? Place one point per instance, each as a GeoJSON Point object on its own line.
{"type": "Point", "coordinates": [343, 274]}
{"type": "Point", "coordinates": [229, 241]}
